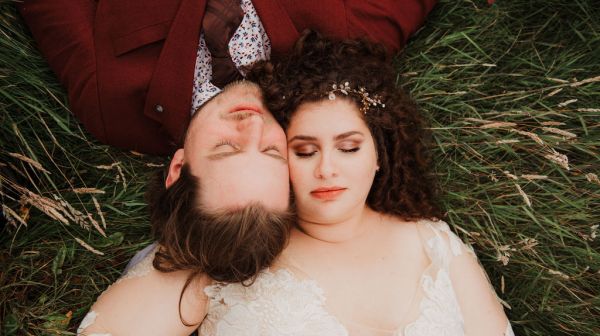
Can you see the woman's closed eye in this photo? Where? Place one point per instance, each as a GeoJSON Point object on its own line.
{"type": "Point", "coordinates": [349, 146]}
{"type": "Point", "coordinates": [350, 150]}
{"type": "Point", "coordinates": [304, 151]}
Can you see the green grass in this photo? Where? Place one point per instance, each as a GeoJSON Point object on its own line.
{"type": "Point", "coordinates": [497, 82]}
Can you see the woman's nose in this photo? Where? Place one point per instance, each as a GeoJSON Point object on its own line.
{"type": "Point", "coordinates": [326, 167]}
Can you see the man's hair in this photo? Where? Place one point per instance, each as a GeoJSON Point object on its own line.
{"type": "Point", "coordinates": [404, 185]}
{"type": "Point", "coordinates": [227, 245]}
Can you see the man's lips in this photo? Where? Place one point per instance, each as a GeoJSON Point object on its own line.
{"type": "Point", "coordinates": [327, 193]}
{"type": "Point", "coordinates": [246, 108]}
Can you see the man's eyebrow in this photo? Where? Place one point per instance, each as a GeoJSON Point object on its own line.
{"type": "Point", "coordinates": [278, 157]}
{"type": "Point", "coordinates": [221, 156]}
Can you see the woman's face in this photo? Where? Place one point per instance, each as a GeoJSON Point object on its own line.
{"type": "Point", "coordinates": [332, 159]}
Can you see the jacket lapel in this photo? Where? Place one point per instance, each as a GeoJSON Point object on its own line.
{"type": "Point", "coordinates": [169, 95]}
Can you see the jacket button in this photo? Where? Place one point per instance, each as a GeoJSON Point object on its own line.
{"type": "Point", "coordinates": [158, 108]}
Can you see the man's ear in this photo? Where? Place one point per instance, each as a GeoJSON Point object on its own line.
{"type": "Point", "coordinates": [174, 168]}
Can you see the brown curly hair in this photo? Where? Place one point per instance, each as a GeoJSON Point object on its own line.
{"type": "Point", "coordinates": [404, 186]}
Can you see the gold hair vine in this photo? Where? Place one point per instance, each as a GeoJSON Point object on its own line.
{"type": "Point", "coordinates": [366, 101]}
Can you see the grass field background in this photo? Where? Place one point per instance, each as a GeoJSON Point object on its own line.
{"type": "Point", "coordinates": [512, 89]}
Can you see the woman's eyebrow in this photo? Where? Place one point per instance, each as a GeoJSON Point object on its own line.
{"type": "Point", "coordinates": [336, 138]}
{"type": "Point", "coordinates": [302, 137]}
{"type": "Point", "coordinates": [346, 134]}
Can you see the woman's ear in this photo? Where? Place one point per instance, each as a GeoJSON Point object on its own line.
{"type": "Point", "coordinates": [174, 168]}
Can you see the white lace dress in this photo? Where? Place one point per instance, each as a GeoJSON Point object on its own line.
{"type": "Point", "coordinates": [278, 303]}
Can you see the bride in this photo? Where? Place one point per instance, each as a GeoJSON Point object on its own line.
{"type": "Point", "coordinates": [368, 255]}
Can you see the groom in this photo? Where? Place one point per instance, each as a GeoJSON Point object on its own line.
{"type": "Point", "coordinates": [135, 70]}
{"type": "Point", "coordinates": [222, 208]}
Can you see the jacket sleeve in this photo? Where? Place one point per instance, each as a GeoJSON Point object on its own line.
{"type": "Point", "coordinates": [64, 33]}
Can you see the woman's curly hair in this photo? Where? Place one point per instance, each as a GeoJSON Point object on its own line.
{"type": "Point", "coordinates": [403, 186]}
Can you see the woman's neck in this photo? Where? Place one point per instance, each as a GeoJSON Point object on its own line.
{"type": "Point", "coordinates": [354, 226]}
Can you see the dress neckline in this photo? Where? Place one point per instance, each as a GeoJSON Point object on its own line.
{"type": "Point", "coordinates": [399, 330]}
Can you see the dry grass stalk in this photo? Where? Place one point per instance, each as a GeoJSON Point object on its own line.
{"type": "Point", "coordinates": [593, 233]}
{"type": "Point", "coordinates": [524, 195]}
{"type": "Point", "coordinates": [503, 254]}
{"type": "Point", "coordinates": [566, 134]}
{"type": "Point", "coordinates": [554, 92]}
{"type": "Point", "coordinates": [120, 177]}
{"type": "Point", "coordinates": [11, 216]}
{"type": "Point", "coordinates": [509, 175]}
{"type": "Point", "coordinates": [75, 215]}
{"type": "Point", "coordinates": [558, 80]}
{"type": "Point", "coordinates": [44, 204]}
{"type": "Point", "coordinates": [88, 191]}
{"type": "Point", "coordinates": [567, 102]}
{"type": "Point", "coordinates": [558, 158]}
{"type": "Point", "coordinates": [57, 209]}
{"type": "Point", "coordinates": [477, 120]}
{"type": "Point", "coordinates": [534, 177]}
{"type": "Point", "coordinates": [99, 210]}
{"type": "Point", "coordinates": [32, 162]}
{"type": "Point", "coordinates": [528, 243]}
{"type": "Point", "coordinates": [531, 135]}
{"type": "Point", "coordinates": [108, 167]}
{"type": "Point", "coordinates": [588, 110]}
{"type": "Point", "coordinates": [552, 123]}
{"type": "Point", "coordinates": [592, 178]}
{"type": "Point", "coordinates": [559, 274]}
{"type": "Point", "coordinates": [586, 81]}
{"type": "Point", "coordinates": [507, 141]}
{"type": "Point", "coordinates": [96, 225]}
{"type": "Point", "coordinates": [88, 247]}
{"type": "Point", "coordinates": [498, 124]}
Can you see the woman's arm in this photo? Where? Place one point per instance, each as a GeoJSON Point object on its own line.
{"type": "Point", "coordinates": [147, 303]}
{"type": "Point", "coordinates": [480, 307]}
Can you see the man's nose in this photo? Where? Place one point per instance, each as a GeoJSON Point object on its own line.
{"type": "Point", "coordinates": [252, 129]}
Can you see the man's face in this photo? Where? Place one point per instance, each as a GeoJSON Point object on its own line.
{"type": "Point", "coordinates": [238, 151]}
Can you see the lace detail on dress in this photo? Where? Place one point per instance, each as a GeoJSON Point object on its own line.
{"type": "Point", "coordinates": [140, 269]}
{"type": "Point", "coordinates": [275, 304]}
{"type": "Point", "coordinates": [509, 331]}
{"type": "Point", "coordinates": [439, 309]}
{"type": "Point", "coordinates": [87, 321]}
{"type": "Point", "coordinates": [437, 247]}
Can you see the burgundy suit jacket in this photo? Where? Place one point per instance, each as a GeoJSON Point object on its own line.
{"type": "Point", "coordinates": [128, 65]}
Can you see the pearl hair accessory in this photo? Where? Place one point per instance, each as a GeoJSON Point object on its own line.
{"type": "Point", "coordinates": [362, 93]}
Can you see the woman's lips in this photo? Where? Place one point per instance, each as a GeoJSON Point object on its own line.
{"type": "Point", "coordinates": [328, 193]}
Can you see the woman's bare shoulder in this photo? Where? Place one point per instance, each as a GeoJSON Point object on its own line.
{"type": "Point", "coordinates": [148, 303]}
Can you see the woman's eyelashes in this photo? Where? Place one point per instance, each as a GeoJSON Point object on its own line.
{"type": "Point", "coordinates": [309, 151]}
{"type": "Point", "coordinates": [350, 150]}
